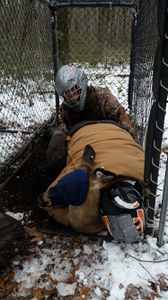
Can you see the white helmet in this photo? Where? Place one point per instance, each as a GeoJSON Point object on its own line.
{"type": "Point", "coordinates": [71, 83]}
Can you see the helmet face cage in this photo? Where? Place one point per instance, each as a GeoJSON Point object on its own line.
{"type": "Point", "coordinates": [70, 81]}
{"type": "Point", "coordinates": [72, 96]}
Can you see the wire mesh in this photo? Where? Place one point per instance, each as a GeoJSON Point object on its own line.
{"type": "Point", "coordinates": [96, 38]}
{"type": "Point", "coordinates": [27, 98]}
{"type": "Point", "coordinates": [145, 37]}
{"type": "Point", "coordinates": [99, 40]}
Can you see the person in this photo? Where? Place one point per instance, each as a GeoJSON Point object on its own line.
{"type": "Point", "coordinates": [81, 102]}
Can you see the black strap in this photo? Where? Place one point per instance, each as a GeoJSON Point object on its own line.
{"type": "Point", "coordinates": [79, 125]}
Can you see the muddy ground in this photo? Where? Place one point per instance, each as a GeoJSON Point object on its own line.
{"type": "Point", "coordinates": [32, 179]}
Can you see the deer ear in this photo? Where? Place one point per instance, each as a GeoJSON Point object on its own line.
{"type": "Point", "coordinates": [100, 172]}
{"type": "Point", "coordinates": [105, 178]}
{"type": "Point", "coordinates": [88, 155]}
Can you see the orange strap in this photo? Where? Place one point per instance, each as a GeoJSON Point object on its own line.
{"type": "Point", "coordinates": [139, 220]}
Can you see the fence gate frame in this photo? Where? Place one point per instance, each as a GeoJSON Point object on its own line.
{"type": "Point", "coordinates": [157, 114]}
{"type": "Point", "coordinates": [54, 7]}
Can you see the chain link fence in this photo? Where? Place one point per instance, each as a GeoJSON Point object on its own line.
{"type": "Point", "coordinates": [144, 42]}
{"type": "Point", "coordinates": [114, 42]}
{"type": "Point", "coordinates": [98, 40]}
{"type": "Point", "coordinates": [95, 38]}
{"type": "Point", "coordinates": [27, 99]}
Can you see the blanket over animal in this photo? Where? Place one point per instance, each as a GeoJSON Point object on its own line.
{"type": "Point", "coordinates": [116, 152]}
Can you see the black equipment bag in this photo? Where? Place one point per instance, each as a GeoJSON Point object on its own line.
{"type": "Point", "coordinates": [12, 238]}
{"type": "Point", "coordinates": [123, 211]}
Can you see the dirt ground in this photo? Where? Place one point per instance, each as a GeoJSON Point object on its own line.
{"type": "Point", "coordinates": [20, 195]}
{"type": "Point", "coordinates": [33, 178]}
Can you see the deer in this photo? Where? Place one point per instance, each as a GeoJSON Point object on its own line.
{"type": "Point", "coordinates": [84, 218]}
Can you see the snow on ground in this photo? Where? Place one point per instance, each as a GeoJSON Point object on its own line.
{"type": "Point", "coordinates": [85, 269]}
{"type": "Point", "coordinates": [24, 108]}
{"type": "Point", "coordinates": [77, 267]}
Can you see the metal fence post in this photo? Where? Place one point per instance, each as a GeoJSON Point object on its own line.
{"type": "Point", "coordinates": [164, 207]}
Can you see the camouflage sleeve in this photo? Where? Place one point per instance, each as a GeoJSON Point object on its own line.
{"type": "Point", "coordinates": [113, 110]}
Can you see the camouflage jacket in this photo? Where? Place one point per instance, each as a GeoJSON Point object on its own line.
{"type": "Point", "coordinates": [100, 105]}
